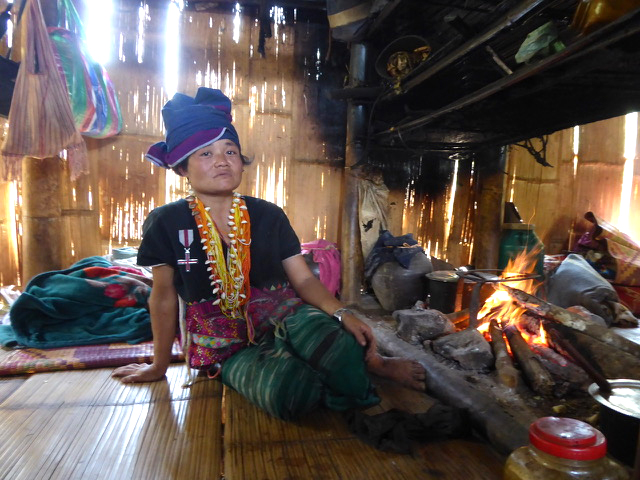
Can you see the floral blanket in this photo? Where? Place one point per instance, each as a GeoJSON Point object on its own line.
{"type": "Point", "coordinates": [92, 302]}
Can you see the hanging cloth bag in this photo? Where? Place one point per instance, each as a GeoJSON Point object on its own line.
{"type": "Point", "coordinates": [91, 93]}
{"type": "Point", "coordinates": [40, 119]}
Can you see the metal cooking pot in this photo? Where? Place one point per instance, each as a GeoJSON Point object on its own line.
{"type": "Point", "coordinates": [620, 417]}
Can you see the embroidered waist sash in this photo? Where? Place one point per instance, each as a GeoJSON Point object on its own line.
{"type": "Point", "coordinates": [212, 337]}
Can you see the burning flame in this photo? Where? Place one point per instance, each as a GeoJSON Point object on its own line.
{"type": "Point", "coordinates": [501, 306]}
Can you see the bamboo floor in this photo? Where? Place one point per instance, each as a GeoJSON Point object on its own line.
{"type": "Point", "coordinates": [82, 424]}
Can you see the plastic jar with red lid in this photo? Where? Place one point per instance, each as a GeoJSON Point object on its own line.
{"type": "Point", "coordinates": [563, 449]}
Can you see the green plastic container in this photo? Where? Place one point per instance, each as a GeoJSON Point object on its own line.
{"type": "Point", "coordinates": [516, 238]}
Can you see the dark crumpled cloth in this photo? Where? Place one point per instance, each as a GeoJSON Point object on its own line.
{"type": "Point", "coordinates": [575, 282]}
{"type": "Point", "coordinates": [396, 430]}
{"type": "Point", "coordinates": [390, 249]}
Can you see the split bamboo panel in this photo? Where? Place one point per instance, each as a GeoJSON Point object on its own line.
{"type": "Point", "coordinates": [9, 265]}
{"type": "Point", "coordinates": [543, 195]}
{"type": "Point", "coordinates": [600, 170]}
{"type": "Point", "coordinates": [269, 112]}
{"type": "Point", "coordinates": [80, 214]}
{"type": "Point", "coordinates": [459, 246]}
{"type": "Point", "coordinates": [129, 187]}
{"type": "Point", "coordinates": [315, 197]}
{"type": "Point", "coordinates": [8, 236]}
{"type": "Point", "coordinates": [423, 209]}
{"type": "Point", "coordinates": [83, 424]}
{"type": "Point", "coordinates": [556, 199]}
{"type": "Point", "coordinates": [321, 446]}
{"type": "Point", "coordinates": [264, 103]}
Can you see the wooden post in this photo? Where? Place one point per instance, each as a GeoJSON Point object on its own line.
{"type": "Point", "coordinates": [41, 216]}
{"type": "Point", "coordinates": [41, 206]}
{"type": "Point", "coordinates": [352, 261]}
{"type": "Point", "coordinates": [488, 222]}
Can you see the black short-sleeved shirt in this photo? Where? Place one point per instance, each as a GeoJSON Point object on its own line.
{"type": "Point", "coordinates": [168, 228]}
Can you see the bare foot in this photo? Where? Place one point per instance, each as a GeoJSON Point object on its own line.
{"type": "Point", "coordinates": [405, 372]}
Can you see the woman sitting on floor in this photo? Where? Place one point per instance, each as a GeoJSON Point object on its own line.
{"type": "Point", "coordinates": [254, 312]}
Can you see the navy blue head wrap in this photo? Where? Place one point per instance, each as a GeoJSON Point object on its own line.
{"type": "Point", "coordinates": [193, 123]}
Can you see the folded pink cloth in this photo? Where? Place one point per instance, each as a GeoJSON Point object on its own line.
{"type": "Point", "coordinates": [327, 256]}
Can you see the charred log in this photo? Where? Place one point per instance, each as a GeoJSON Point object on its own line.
{"type": "Point", "coordinates": [507, 373]}
{"type": "Point", "coordinates": [460, 318]}
{"type": "Point", "coordinates": [574, 321]}
{"type": "Point", "coordinates": [567, 376]}
{"type": "Point", "coordinates": [502, 417]}
{"type": "Point", "coordinates": [530, 323]}
{"type": "Point", "coordinates": [607, 360]}
{"type": "Point", "coordinates": [535, 374]}
{"type": "Point", "coordinates": [573, 353]}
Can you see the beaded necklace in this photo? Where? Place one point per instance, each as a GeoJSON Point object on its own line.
{"type": "Point", "coordinates": [229, 277]}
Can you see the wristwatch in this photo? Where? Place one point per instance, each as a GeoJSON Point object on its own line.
{"type": "Point", "coordinates": [339, 313]}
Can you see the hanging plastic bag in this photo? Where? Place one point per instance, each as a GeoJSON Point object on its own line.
{"type": "Point", "coordinates": [40, 119]}
{"type": "Point", "coordinates": [92, 95]}
{"type": "Point", "coordinates": [77, 75]}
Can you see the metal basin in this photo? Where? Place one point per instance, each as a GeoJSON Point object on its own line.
{"type": "Point", "coordinates": [620, 417]}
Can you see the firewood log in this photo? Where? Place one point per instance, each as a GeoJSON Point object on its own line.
{"type": "Point", "coordinates": [572, 320]}
{"type": "Point", "coordinates": [567, 376]}
{"type": "Point", "coordinates": [503, 419]}
{"type": "Point", "coordinates": [507, 374]}
{"type": "Point", "coordinates": [538, 378]}
{"type": "Point", "coordinates": [460, 318]}
{"type": "Point", "coordinates": [608, 360]}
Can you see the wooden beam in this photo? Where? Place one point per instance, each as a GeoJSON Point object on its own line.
{"type": "Point", "coordinates": [514, 15]}
{"type": "Point", "coordinates": [352, 261]}
{"type": "Point", "coordinates": [489, 198]}
{"type": "Point", "coordinates": [618, 30]}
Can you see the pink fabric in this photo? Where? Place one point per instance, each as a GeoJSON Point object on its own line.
{"type": "Point", "coordinates": [327, 256]}
{"type": "Point", "coordinates": [225, 336]}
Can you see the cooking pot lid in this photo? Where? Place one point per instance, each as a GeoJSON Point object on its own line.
{"type": "Point", "coordinates": [624, 397]}
{"type": "Point", "coordinates": [443, 276]}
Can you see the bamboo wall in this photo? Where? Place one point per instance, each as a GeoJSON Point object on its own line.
{"type": "Point", "coordinates": [556, 199]}
{"type": "Point", "coordinates": [296, 139]}
{"type": "Point", "coordinates": [437, 205]}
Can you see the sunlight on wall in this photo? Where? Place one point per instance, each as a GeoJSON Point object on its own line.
{"type": "Point", "coordinates": [576, 148]}
{"type": "Point", "coordinates": [143, 18]}
{"type": "Point", "coordinates": [237, 23]}
{"type": "Point", "coordinates": [14, 226]}
{"type": "Point", "coordinates": [172, 47]}
{"type": "Point", "coordinates": [98, 30]}
{"type": "Point", "coordinates": [630, 142]}
{"type": "Point", "coordinates": [452, 196]}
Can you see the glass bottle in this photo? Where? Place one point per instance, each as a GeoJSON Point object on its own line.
{"type": "Point", "coordinates": [563, 449]}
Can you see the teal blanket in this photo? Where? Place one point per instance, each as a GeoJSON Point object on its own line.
{"type": "Point", "coordinates": [91, 302]}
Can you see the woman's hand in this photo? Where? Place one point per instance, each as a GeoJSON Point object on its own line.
{"type": "Point", "coordinates": [139, 372]}
{"type": "Point", "coordinates": [362, 333]}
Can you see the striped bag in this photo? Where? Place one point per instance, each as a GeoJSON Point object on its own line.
{"type": "Point", "coordinates": [40, 119]}
{"type": "Point", "coordinates": [93, 97]}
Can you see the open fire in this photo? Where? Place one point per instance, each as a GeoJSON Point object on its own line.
{"type": "Point", "coordinates": [510, 358]}
{"type": "Point", "coordinates": [500, 306]}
